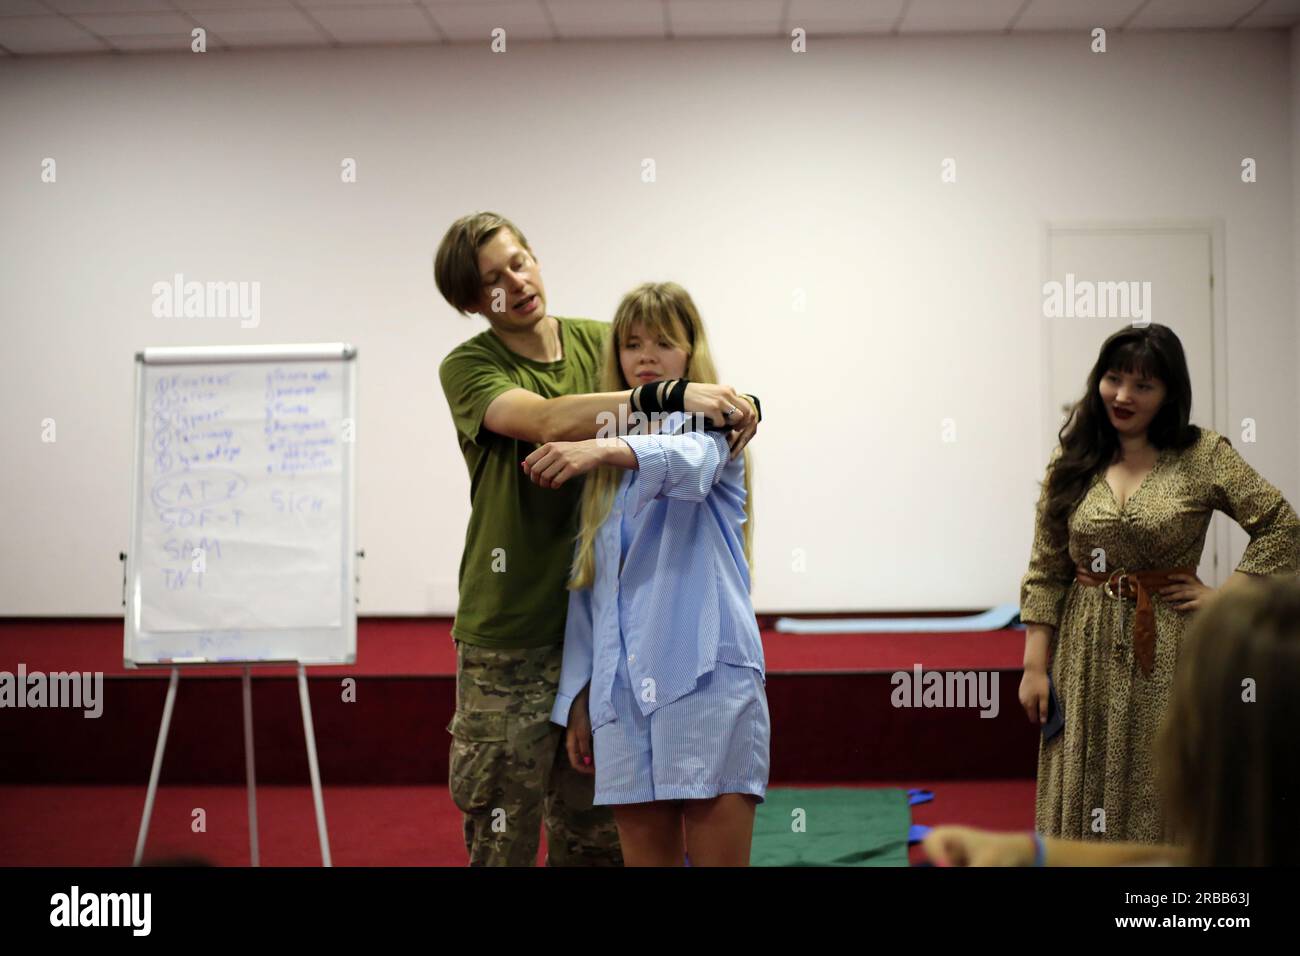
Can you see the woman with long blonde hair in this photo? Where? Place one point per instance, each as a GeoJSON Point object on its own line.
{"type": "Point", "coordinates": [662, 686]}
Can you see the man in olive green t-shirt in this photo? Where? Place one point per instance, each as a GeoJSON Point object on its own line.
{"type": "Point", "coordinates": [528, 380]}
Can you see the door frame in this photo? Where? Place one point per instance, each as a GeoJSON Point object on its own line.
{"type": "Point", "coordinates": [1214, 229]}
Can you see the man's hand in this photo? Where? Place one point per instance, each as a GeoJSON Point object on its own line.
{"type": "Point", "coordinates": [713, 401]}
{"type": "Point", "coordinates": [738, 438]}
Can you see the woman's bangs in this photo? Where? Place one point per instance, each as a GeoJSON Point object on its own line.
{"type": "Point", "coordinates": [1136, 358]}
{"type": "Point", "coordinates": [656, 319]}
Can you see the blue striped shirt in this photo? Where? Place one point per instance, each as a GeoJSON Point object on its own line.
{"type": "Point", "coordinates": [679, 600]}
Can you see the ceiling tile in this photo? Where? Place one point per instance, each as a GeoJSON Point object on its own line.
{"type": "Point", "coordinates": [176, 42]}
{"type": "Point", "coordinates": [475, 21]}
{"type": "Point", "coordinates": [376, 24]}
{"type": "Point", "coordinates": [848, 16]}
{"type": "Point", "coordinates": [46, 35]}
{"type": "Point", "coordinates": [365, 4]}
{"type": "Point", "coordinates": [203, 6]}
{"type": "Point", "coordinates": [959, 16]}
{"type": "Point", "coordinates": [136, 24]}
{"type": "Point", "coordinates": [1073, 15]}
{"type": "Point", "coordinates": [23, 8]}
{"type": "Point", "coordinates": [111, 6]}
{"type": "Point", "coordinates": [1274, 14]}
{"type": "Point", "coordinates": [608, 18]}
{"type": "Point", "coordinates": [1190, 14]}
{"type": "Point", "coordinates": [689, 18]}
{"type": "Point", "coordinates": [253, 21]}
{"type": "Point", "coordinates": [278, 38]}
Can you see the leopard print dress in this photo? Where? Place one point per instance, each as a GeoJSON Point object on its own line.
{"type": "Point", "coordinates": [1096, 778]}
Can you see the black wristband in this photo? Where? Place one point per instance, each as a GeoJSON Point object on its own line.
{"type": "Point", "coordinates": [675, 401]}
{"type": "Point", "coordinates": [647, 398]}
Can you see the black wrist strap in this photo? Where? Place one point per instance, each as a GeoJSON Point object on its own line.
{"type": "Point", "coordinates": [645, 398]}
{"type": "Point", "coordinates": [668, 395]}
{"type": "Point", "coordinates": [676, 396]}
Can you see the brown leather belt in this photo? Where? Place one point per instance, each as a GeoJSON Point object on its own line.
{"type": "Point", "coordinates": [1120, 584]}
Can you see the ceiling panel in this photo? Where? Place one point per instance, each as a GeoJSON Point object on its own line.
{"type": "Point", "coordinates": [474, 22]}
{"type": "Point", "coordinates": [376, 25]}
{"type": "Point", "coordinates": [688, 18]}
{"type": "Point", "coordinates": [1191, 14]}
{"type": "Point", "coordinates": [46, 35]}
{"type": "Point", "coordinates": [34, 27]}
{"type": "Point", "coordinates": [608, 18]}
{"type": "Point", "coordinates": [136, 24]}
{"type": "Point", "coordinates": [1073, 15]}
{"type": "Point", "coordinates": [1273, 14]}
{"type": "Point", "coordinates": [845, 16]}
{"type": "Point", "coordinates": [947, 16]}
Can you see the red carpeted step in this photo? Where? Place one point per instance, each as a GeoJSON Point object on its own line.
{"type": "Point", "coordinates": [424, 647]}
{"type": "Point", "coordinates": [833, 718]}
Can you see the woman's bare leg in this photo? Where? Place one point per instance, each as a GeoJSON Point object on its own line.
{"type": "Point", "coordinates": [650, 833]}
{"type": "Point", "coordinates": [719, 831]}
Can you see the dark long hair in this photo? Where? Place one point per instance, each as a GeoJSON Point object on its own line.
{"type": "Point", "coordinates": [1088, 439]}
{"type": "Point", "coordinates": [1226, 760]}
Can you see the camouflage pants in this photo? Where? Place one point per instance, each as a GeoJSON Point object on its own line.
{"type": "Point", "coordinates": [510, 770]}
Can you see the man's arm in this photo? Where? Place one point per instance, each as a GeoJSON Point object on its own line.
{"type": "Point", "coordinates": [519, 413]}
{"type": "Point", "coordinates": [525, 415]}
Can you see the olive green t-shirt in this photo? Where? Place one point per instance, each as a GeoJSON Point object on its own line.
{"type": "Point", "coordinates": [519, 544]}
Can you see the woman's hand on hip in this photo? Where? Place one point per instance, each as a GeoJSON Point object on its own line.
{"type": "Point", "coordinates": [1188, 594]}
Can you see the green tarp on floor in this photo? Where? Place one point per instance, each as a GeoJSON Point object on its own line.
{"type": "Point", "coordinates": [837, 827]}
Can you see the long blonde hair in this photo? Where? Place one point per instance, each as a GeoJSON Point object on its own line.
{"type": "Point", "coordinates": [666, 311]}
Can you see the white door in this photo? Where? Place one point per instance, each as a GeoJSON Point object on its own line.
{"type": "Point", "coordinates": [1178, 264]}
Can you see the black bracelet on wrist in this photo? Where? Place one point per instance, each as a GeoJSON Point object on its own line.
{"type": "Point", "coordinates": [676, 401]}
{"type": "Point", "coordinates": [648, 398]}
{"type": "Point", "coordinates": [675, 394]}
{"type": "Point", "coordinates": [664, 396]}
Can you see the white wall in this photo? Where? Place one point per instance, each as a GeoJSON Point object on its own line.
{"type": "Point", "coordinates": [776, 172]}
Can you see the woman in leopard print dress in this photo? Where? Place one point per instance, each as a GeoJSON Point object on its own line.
{"type": "Point", "coordinates": [1131, 488]}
